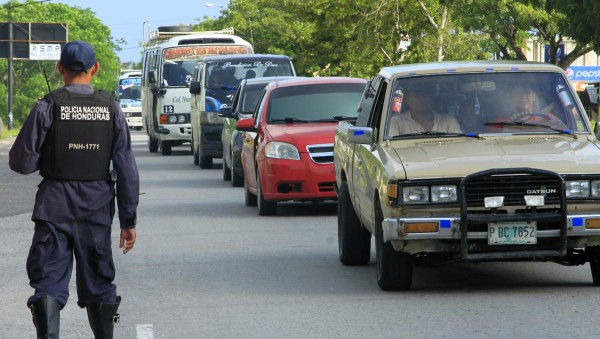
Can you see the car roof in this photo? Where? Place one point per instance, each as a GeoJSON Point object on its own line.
{"type": "Point", "coordinates": [302, 81]}
{"type": "Point", "coordinates": [244, 56]}
{"type": "Point", "coordinates": [266, 80]}
{"type": "Point", "coordinates": [446, 67]}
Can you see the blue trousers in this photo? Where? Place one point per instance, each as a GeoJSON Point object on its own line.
{"type": "Point", "coordinates": [50, 262]}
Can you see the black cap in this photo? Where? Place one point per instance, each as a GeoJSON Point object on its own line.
{"type": "Point", "coordinates": [77, 56]}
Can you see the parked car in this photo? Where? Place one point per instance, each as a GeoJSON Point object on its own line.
{"type": "Point", "coordinates": [291, 155]}
{"type": "Point", "coordinates": [242, 106]}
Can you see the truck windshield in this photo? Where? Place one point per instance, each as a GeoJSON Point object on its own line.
{"type": "Point", "coordinates": [525, 102]}
{"type": "Point", "coordinates": [223, 77]}
{"type": "Point", "coordinates": [230, 73]}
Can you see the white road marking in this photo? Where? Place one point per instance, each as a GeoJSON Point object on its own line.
{"type": "Point", "coordinates": [144, 331]}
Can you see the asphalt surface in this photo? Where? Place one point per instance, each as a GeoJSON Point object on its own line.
{"type": "Point", "coordinates": [11, 182]}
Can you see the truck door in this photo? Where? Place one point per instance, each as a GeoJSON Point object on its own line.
{"type": "Point", "coordinates": [365, 155]}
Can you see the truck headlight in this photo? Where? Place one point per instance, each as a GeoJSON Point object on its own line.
{"type": "Point", "coordinates": [595, 189]}
{"type": "Point", "coordinates": [443, 193]}
{"type": "Point", "coordinates": [415, 194]}
{"type": "Point", "coordinates": [577, 188]}
{"type": "Point", "coordinates": [281, 150]}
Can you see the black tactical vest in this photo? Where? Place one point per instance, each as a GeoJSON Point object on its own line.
{"type": "Point", "coordinates": [79, 144]}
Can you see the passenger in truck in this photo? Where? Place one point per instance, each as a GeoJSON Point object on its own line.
{"type": "Point", "coordinates": [420, 115]}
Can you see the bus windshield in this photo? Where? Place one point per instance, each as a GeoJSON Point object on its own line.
{"type": "Point", "coordinates": [179, 62]}
{"type": "Point", "coordinates": [130, 88]}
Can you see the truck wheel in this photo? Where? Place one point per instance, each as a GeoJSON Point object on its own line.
{"type": "Point", "coordinates": [236, 179]}
{"type": "Point", "coordinates": [206, 161]}
{"type": "Point", "coordinates": [165, 147]}
{"type": "Point", "coordinates": [249, 198]}
{"type": "Point", "coordinates": [152, 145]}
{"type": "Point", "coordinates": [226, 170]}
{"type": "Point", "coordinates": [354, 241]}
{"type": "Point", "coordinates": [196, 156]}
{"type": "Point", "coordinates": [594, 255]}
{"type": "Point", "coordinates": [394, 268]}
{"type": "Point", "coordinates": [264, 207]}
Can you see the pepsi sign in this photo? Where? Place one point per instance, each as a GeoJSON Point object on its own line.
{"type": "Point", "coordinates": [583, 73]}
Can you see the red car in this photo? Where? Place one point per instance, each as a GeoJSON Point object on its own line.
{"type": "Point", "coordinates": [287, 151]}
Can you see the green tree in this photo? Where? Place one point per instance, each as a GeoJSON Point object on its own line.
{"type": "Point", "coordinates": [29, 82]}
{"type": "Point", "coordinates": [510, 23]}
{"type": "Point", "coordinates": [351, 37]}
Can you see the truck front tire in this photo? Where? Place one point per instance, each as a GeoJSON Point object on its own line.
{"type": "Point", "coordinates": [354, 241]}
{"type": "Point", "coordinates": [195, 154]}
{"type": "Point", "coordinates": [594, 255]}
{"type": "Point", "coordinates": [394, 268]}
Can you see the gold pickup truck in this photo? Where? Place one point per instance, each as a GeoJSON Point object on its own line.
{"type": "Point", "coordinates": [474, 161]}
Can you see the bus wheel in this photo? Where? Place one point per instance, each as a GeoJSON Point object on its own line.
{"type": "Point", "coordinates": [152, 145]}
{"type": "Point", "coordinates": [165, 147]}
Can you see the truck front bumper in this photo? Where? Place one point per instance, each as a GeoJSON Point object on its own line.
{"type": "Point", "coordinates": [210, 140]}
{"type": "Point", "coordinates": [474, 245]}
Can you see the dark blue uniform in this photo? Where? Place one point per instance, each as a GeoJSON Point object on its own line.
{"type": "Point", "coordinates": [74, 217]}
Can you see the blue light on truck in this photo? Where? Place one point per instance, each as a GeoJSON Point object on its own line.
{"type": "Point", "coordinates": [577, 222]}
{"type": "Point", "coordinates": [445, 223]}
{"type": "Point", "coordinates": [359, 132]}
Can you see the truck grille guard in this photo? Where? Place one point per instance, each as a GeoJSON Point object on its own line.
{"type": "Point", "coordinates": [508, 182]}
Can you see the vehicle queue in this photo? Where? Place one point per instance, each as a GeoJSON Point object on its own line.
{"type": "Point", "coordinates": [278, 142]}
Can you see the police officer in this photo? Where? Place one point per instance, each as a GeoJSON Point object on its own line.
{"type": "Point", "coordinates": [79, 140]}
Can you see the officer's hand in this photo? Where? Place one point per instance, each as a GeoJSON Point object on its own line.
{"type": "Point", "coordinates": [127, 241]}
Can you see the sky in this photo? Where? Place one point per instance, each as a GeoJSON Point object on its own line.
{"type": "Point", "coordinates": [126, 18]}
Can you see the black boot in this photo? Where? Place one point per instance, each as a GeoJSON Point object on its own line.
{"type": "Point", "coordinates": [103, 317]}
{"type": "Point", "coordinates": [46, 317]}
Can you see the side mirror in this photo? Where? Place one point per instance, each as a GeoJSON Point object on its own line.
{"type": "Point", "coordinates": [195, 87]}
{"type": "Point", "coordinates": [152, 77]}
{"type": "Point", "coordinates": [226, 112]}
{"type": "Point", "coordinates": [245, 125]}
{"type": "Point", "coordinates": [360, 135]}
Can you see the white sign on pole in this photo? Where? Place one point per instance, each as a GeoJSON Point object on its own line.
{"type": "Point", "coordinates": [44, 51]}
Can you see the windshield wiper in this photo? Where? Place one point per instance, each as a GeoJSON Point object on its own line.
{"type": "Point", "coordinates": [289, 120]}
{"type": "Point", "coordinates": [529, 124]}
{"type": "Point", "coordinates": [342, 118]}
{"type": "Point", "coordinates": [228, 88]}
{"type": "Point", "coordinates": [453, 134]}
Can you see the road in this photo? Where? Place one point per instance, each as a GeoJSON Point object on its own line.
{"type": "Point", "coordinates": [206, 266]}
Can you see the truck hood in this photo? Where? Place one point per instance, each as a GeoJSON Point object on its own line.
{"type": "Point", "coordinates": [457, 157]}
{"type": "Point", "coordinates": [302, 135]}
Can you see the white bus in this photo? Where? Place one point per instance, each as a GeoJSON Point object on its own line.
{"type": "Point", "coordinates": [129, 93]}
{"type": "Point", "coordinates": [170, 55]}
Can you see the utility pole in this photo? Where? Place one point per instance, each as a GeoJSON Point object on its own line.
{"type": "Point", "coordinates": [10, 76]}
